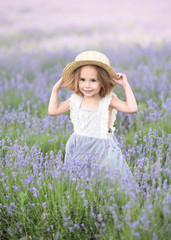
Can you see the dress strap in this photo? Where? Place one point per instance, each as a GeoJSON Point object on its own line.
{"type": "Point", "coordinates": [75, 101]}
{"type": "Point", "coordinates": [113, 116]}
{"type": "Point", "coordinates": [105, 115]}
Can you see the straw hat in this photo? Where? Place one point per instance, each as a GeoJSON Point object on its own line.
{"type": "Point", "coordinates": [88, 57]}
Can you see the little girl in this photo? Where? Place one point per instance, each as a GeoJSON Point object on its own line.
{"type": "Point", "coordinates": [93, 108]}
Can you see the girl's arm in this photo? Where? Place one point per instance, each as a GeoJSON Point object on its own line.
{"type": "Point", "coordinates": [54, 107]}
{"type": "Point", "coordinates": [130, 106]}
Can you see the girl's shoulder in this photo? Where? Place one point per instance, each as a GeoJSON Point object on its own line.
{"type": "Point", "coordinates": [75, 97]}
{"type": "Point", "coordinates": [108, 98]}
{"type": "Point", "coordinates": [112, 94]}
{"type": "Point", "coordinates": [75, 101]}
{"type": "Point", "coordinates": [107, 102]}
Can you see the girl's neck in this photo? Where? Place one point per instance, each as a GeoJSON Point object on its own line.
{"type": "Point", "coordinates": [90, 103]}
{"type": "Point", "coordinates": [92, 98]}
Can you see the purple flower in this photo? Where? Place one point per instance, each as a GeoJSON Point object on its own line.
{"type": "Point", "coordinates": [99, 217]}
{"type": "Point", "coordinates": [154, 236]}
{"type": "Point", "coordinates": [34, 191]}
{"type": "Point", "coordinates": [136, 234]}
{"type": "Point", "coordinates": [76, 226]}
{"type": "Point", "coordinates": [44, 205]}
{"type": "Point", "coordinates": [68, 197]}
{"type": "Point", "coordinates": [135, 224]}
{"type": "Point", "coordinates": [85, 203]}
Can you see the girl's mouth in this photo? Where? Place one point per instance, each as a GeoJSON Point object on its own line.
{"type": "Point", "coordinates": [88, 91]}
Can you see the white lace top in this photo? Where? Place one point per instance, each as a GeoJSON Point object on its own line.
{"type": "Point", "coordinates": [92, 123]}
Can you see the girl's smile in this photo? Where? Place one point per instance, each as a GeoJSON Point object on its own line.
{"type": "Point", "coordinates": [88, 91]}
{"type": "Point", "coordinates": [88, 83]}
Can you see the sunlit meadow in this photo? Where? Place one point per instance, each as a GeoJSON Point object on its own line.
{"type": "Point", "coordinates": [39, 197]}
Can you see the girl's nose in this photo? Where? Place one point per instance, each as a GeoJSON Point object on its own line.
{"type": "Point", "coordinates": [87, 84]}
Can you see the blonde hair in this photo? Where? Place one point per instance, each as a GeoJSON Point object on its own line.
{"type": "Point", "coordinates": [102, 76]}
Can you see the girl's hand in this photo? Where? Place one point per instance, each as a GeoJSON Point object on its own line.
{"type": "Point", "coordinates": [59, 84]}
{"type": "Point", "coordinates": [121, 80]}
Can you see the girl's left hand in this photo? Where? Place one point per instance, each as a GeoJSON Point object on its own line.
{"type": "Point", "coordinates": [121, 80]}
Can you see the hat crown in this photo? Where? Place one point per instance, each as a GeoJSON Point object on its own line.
{"type": "Point", "coordinates": [93, 56]}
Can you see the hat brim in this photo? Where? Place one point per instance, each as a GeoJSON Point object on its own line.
{"type": "Point", "coordinates": [68, 70]}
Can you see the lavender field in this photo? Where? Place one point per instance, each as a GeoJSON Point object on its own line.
{"type": "Point", "coordinates": [37, 199]}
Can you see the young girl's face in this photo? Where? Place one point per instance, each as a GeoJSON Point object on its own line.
{"type": "Point", "coordinates": [88, 82]}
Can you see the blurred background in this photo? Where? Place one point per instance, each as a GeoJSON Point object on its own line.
{"type": "Point", "coordinates": [77, 25]}
{"type": "Point", "coordinates": [37, 39]}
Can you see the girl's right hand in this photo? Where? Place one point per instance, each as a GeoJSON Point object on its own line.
{"type": "Point", "coordinates": [59, 84]}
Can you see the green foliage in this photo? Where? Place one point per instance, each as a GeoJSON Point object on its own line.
{"type": "Point", "coordinates": [37, 204]}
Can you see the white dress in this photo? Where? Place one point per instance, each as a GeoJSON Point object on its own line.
{"type": "Point", "coordinates": [92, 150]}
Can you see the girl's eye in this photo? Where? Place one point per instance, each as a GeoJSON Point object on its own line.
{"type": "Point", "coordinates": [94, 80]}
{"type": "Point", "coordinates": [82, 79]}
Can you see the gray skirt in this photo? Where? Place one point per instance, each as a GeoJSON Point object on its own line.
{"type": "Point", "coordinates": [99, 159]}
